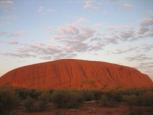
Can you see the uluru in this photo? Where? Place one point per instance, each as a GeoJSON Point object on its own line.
{"type": "Point", "coordinates": [76, 74]}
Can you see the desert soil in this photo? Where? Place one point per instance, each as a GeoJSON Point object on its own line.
{"type": "Point", "coordinates": [89, 108]}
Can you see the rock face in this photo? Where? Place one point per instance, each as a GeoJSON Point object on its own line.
{"type": "Point", "coordinates": [76, 74]}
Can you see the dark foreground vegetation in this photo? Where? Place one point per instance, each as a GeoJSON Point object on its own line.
{"type": "Point", "coordinates": [139, 101]}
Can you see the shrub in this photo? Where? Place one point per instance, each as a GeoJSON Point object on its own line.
{"type": "Point", "coordinates": [34, 93]}
{"type": "Point", "coordinates": [66, 99]}
{"type": "Point", "coordinates": [114, 96]}
{"type": "Point", "coordinates": [111, 98]}
{"type": "Point", "coordinates": [89, 95]}
{"type": "Point", "coordinates": [41, 105]}
{"type": "Point", "coordinates": [43, 100]}
{"type": "Point", "coordinates": [46, 96]}
{"type": "Point", "coordinates": [24, 93]}
{"type": "Point", "coordinates": [145, 99]}
{"type": "Point", "coordinates": [29, 104]}
{"type": "Point", "coordinates": [34, 100]}
{"type": "Point", "coordinates": [106, 101]}
{"type": "Point", "coordinates": [8, 100]}
{"type": "Point", "coordinates": [133, 91]}
{"type": "Point", "coordinates": [131, 100]}
{"type": "Point", "coordinates": [35, 105]}
{"type": "Point", "coordinates": [97, 94]}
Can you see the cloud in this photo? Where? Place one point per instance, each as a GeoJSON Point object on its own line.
{"type": "Point", "coordinates": [126, 34]}
{"type": "Point", "coordinates": [13, 42]}
{"type": "Point", "coordinates": [41, 51]}
{"type": "Point", "coordinates": [91, 4]}
{"type": "Point", "coordinates": [67, 41]}
{"type": "Point", "coordinates": [103, 4]}
{"type": "Point", "coordinates": [3, 33]}
{"type": "Point", "coordinates": [7, 19]}
{"type": "Point", "coordinates": [69, 30]}
{"type": "Point", "coordinates": [35, 50]}
{"type": "Point", "coordinates": [74, 36]}
{"type": "Point", "coordinates": [81, 36]}
{"type": "Point", "coordinates": [6, 8]}
{"type": "Point", "coordinates": [143, 30]}
{"type": "Point", "coordinates": [127, 6]}
{"type": "Point", "coordinates": [146, 67]}
{"type": "Point", "coordinates": [117, 34]}
{"type": "Point", "coordinates": [44, 11]}
{"type": "Point", "coordinates": [62, 55]}
{"type": "Point", "coordinates": [12, 34]}
{"type": "Point", "coordinates": [20, 55]}
{"type": "Point", "coordinates": [147, 47]}
{"type": "Point", "coordinates": [139, 58]}
{"type": "Point", "coordinates": [6, 5]}
{"type": "Point", "coordinates": [141, 49]}
{"type": "Point", "coordinates": [16, 34]}
{"type": "Point", "coordinates": [127, 50]}
{"type": "Point", "coordinates": [96, 43]}
{"type": "Point", "coordinates": [88, 4]}
{"type": "Point", "coordinates": [40, 48]}
{"type": "Point", "coordinates": [147, 22]}
{"type": "Point", "coordinates": [131, 33]}
{"type": "Point", "coordinates": [146, 27]}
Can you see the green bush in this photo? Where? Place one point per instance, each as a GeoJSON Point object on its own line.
{"type": "Point", "coordinates": [24, 93]}
{"type": "Point", "coordinates": [133, 91]}
{"type": "Point", "coordinates": [8, 100]}
{"type": "Point", "coordinates": [145, 99]}
{"type": "Point", "coordinates": [114, 96]}
{"type": "Point", "coordinates": [66, 99]}
{"type": "Point", "coordinates": [35, 94]}
{"type": "Point", "coordinates": [111, 98]}
{"type": "Point", "coordinates": [89, 95]}
{"type": "Point", "coordinates": [43, 100]}
{"type": "Point", "coordinates": [97, 94]}
{"type": "Point", "coordinates": [46, 96]}
{"type": "Point", "coordinates": [29, 104]}
{"type": "Point", "coordinates": [131, 100]}
{"type": "Point", "coordinates": [36, 105]}
{"type": "Point", "coordinates": [36, 100]}
{"type": "Point", "coordinates": [106, 101]}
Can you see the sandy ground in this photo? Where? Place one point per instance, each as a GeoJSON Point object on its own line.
{"type": "Point", "coordinates": [86, 109]}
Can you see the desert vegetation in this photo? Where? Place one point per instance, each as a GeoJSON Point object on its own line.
{"type": "Point", "coordinates": [39, 100]}
{"type": "Point", "coordinates": [8, 100]}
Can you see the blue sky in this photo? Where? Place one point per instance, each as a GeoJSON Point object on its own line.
{"type": "Point", "coordinates": [116, 31]}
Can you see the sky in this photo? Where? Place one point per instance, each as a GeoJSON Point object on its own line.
{"type": "Point", "coordinates": [115, 31]}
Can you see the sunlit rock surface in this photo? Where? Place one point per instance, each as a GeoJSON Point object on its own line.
{"type": "Point", "coordinates": [76, 74]}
